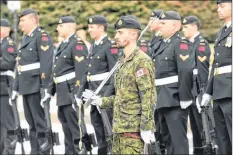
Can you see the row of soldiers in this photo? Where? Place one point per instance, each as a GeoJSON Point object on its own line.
{"type": "Point", "coordinates": [158, 89]}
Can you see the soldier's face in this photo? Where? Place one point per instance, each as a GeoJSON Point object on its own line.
{"type": "Point", "coordinates": [154, 24]}
{"type": "Point", "coordinates": [94, 30]}
{"type": "Point", "coordinates": [224, 10]}
{"type": "Point", "coordinates": [61, 29]}
{"type": "Point", "coordinates": [25, 23]}
{"type": "Point", "coordinates": [188, 30]}
{"type": "Point", "coordinates": [122, 37]}
{"type": "Point", "coordinates": [4, 31]}
{"type": "Point", "coordinates": [166, 27]}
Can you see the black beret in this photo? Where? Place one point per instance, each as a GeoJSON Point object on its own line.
{"type": "Point", "coordinates": [128, 21]}
{"type": "Point", "coordinates": [156, 13]}
{"type": "Point", "coordinates": [5, 23]}
{"type": "Point", "coordinates": [66, 19]}
{"type": "Point", "coordinates": [170, 15]}
{"type": "Point", "coordinates": [191, 20]}
{"type": "Point", "coordinates": [26, 12]}
{"type": "Point", "coordinates": [224, 1]}
{"type": "Point", "coordinates": [97, 19]}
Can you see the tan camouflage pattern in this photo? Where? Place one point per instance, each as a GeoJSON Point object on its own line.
{"type": "Point", "coordinates": [135, 94]}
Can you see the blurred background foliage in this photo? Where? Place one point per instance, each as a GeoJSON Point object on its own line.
{"type": "Point", "coordinates": [50, 11]}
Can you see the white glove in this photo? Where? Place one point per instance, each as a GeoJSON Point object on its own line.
{"type": "Point", "coordinates": [13, 97]}
{"type": "Point", "coordinates": [46, 97]}
{"type": "Point", "coordinates": [87, 94]}
{"type": "Point", "coordinates": [96, 100]}
{"type": "Point", "coordinates": [206, 99]}
{"type": "Point", "coordinates": [198, 105]}
{"type": "Point", "coordinates": [185, 104]}
{"type": "Point", "coordinates": [147, 136]}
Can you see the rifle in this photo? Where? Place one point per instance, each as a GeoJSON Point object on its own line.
{"type": "Point", "coordinates": [20, 134]}
{"type": "Point", "coordinates": [52, 137]}
{"type": "Point", "coordinates": [152, 148]}
{"type": "Point", "coordinates": [208, 136]}
{"type": "Point", "coordinates": [88, 140]}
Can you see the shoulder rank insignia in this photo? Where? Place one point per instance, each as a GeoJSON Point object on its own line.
{"type": "Point", "coordinates": [184, 57]}
{"type": "Point", "coordinates": [79, 59]}
{"type": "Point", "coordinates": [201, 59]}
{"type": "Point", "coordinates": [44, 48]}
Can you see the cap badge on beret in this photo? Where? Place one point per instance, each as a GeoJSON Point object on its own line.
{"type": "Point", "coordinates": [119, 22]}
{"type": "Point", "coordinates": [90, 20]}
{"type": "Point", "coordinates": [60, 21]}
{"type": "Point", "coordinates": [163, 15]}
{"type": "Point", "coordinates": [184, 21]}
{"type": "Point", "coordinates": [152, 14]}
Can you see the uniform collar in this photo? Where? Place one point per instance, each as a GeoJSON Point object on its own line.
{"type": "Point", "coordinates": [228, 24]}
{"type": "Point", "coordinates": [192, 39]}
{"type": "Point", "coordinates": [67, 39]}
{"type": "Point", "coordinates": [31, 33]}
{"type": "Point", "coordinates": [131, 55]}
{"type": "Point", "coordinates": [97, 42]}
{"type": "Point", "coordinates": [171, 37]}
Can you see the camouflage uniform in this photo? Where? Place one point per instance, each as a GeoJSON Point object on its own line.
{"type": "Point", "coordinates": [132, 103]}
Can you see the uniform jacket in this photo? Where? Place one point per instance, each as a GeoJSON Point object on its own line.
{"type": "Point", "coordinates": [8, 54]}
{"type": "Point", "coordinates": [36, 48]}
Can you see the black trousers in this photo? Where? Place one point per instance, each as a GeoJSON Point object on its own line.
{"type": "Point", "coordinates": [196, 127]}
{"type": "Point", "coordinates": [98, 125]}
{"type": "Point", "coordinates": [7, 124]}
{"type": "Point", "coordinates": [174, 129]}
{"type": "Point", "coordinates": [69, 121]}
{"type": "Point", "coordinates": [223, 119]}
{"type": "Point", "coordinates": [35, 117]}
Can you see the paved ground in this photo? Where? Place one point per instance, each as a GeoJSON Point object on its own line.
{"type": "Point", "coordinates": [57, 128]}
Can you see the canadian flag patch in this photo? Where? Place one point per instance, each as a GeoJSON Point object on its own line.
{"type": "Point", "coordinates": [201, 48]}
{"type": "Point", "coordinates": [114, 50]}
{"type": "Point", "coordinates": [79, 47]}
{"type": "Point", "coordinates": [183, 46]}
{"type": "Point", "coordinates": [141, 72]}
{"type": "Point", "coordinates": [10, 49]}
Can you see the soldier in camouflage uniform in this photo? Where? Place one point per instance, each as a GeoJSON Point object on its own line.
{"type": "Point", "coordinates": [135, 92]}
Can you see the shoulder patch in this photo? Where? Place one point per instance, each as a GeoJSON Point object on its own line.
{"type": "Point", "coordinates": [79, 47]}
{"type": "Point", "coordinates": [183, 46]}
{"type": "Point", "coordinates": [141, 72]}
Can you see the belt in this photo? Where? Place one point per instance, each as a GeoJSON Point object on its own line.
{"type": "Point", "coordinates": [97, 77]}
{"type": "Point", "coordinates": [195, 72]}
{"type": "Point", "coordinates": [167, 80]}
{"type": "Point", "coordinates": [8, 73]}
{"type": "Point", "coordinates": [132, 135]}
{"type": "Point", "coordinates": [222, 70]}
{"type": "Point", "coordinates": [65, 77]}
{"type": "Point", "coordinates": [28, 67]}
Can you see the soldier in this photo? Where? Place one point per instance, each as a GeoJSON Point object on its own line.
{"type": "Point", "coordinates": [135, 92]}
{"type": "Point", "coordinates": [219, 87]}
{"type": "Point", "coordinates": [144, 46]}
{"type": "Point", "coordinates": [201, 56]}
{"type": "Point", "coordinates": [7, 65]}
{"type": "Point", "coordinates": [101, 59]}
{"type": "Point", "coordinates": [173, 82]}
{"type": "Point", "coordinates": [68, 70]}
{"type": "Point", "coordinates": [34, 68]}
{"type": "Point", "coordinates": [154, 27]}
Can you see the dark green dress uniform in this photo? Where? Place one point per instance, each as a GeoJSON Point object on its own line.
{"type": "Point", "coordinates": [7, 64]}
{"type": "Point", "coordinates": [220, 87]}
{"type": "Point", "coordinates": [100, 61]}
{"type": "Point", "coordinates": [68, 69]}
{"type": "Point", "coordinates": [35, 58]}
{"type": "Point", "coordinates": [201, 55]}
{"type": "Point", "coordinates": [173, 81]}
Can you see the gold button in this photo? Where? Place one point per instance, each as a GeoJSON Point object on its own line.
{"type": "Point", "coordinates": [54, 65]}
{"type": "Point", "coordinates": [90, 57]}
{"type": "Point", "coordinates": [64, 56]}
{"type": "Point", "coordinates": [89, 65]}
{"type": "Point", "coordinates": [98, 57]}
{"type": "Point", "coordinates": [54, 74]}
{"type": "Point", "coordinates": [56, 57]}
{"type": "Point", "coordinates": [89, 73]}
